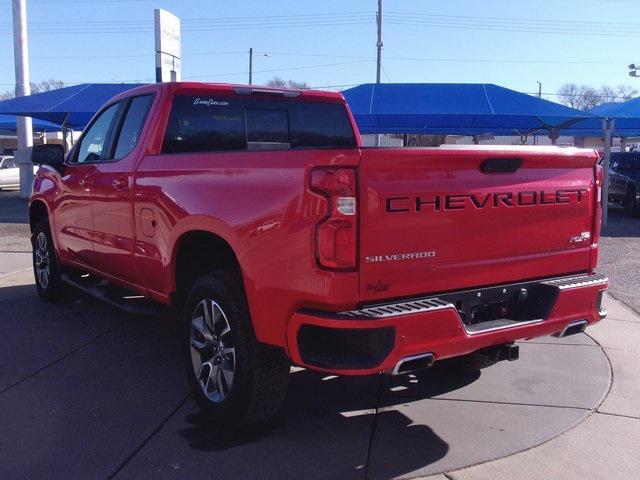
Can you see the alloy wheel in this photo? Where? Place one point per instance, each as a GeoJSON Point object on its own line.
{"type": "Point", "coordinates": [42, 263]}
{"type": "Point", "coordinates": [213, 355]}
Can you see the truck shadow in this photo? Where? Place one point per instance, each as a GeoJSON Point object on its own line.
{"type": "Point", "coordinates": [329, 427]}
{"type": "Point", "coordinates": [350, 424]}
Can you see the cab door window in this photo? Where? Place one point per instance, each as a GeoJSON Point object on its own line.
{"type": "Point", "coordinates": [93, 144]}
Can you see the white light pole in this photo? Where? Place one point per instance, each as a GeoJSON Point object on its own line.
{"type": "Point", "coordinates": [23, 124]}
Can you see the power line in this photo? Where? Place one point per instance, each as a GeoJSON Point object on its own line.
{"type": "Point", "coordinates": [357, 57]}
{"type": "Point", "coordinates": [198, 24]}
{"type": "Point", "coordinates": [273, 70]}
{"type": "Point", "coordinates": [228, 74]}
{"type": "Point", "coordinates": [121, 31]}
{"type": "Point", "coordinates": [510, 27]}
{"type": "Point", "coordinates": [514, 19]}
{"type": "Point", "coordinates": [400, 18]}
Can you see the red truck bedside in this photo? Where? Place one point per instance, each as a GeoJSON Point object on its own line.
{"type": "Point", "coordinates": [257, 213]}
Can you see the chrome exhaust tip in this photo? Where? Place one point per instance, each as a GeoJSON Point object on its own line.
{"type": "Point", "coordinates": [413, 363]}
{"type": "Point", "coordinates": [573, 328]}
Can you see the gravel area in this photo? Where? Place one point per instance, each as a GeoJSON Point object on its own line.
{"type": "Point", "coordinates": [14, 228]}
{"type": "Point", "coordinates": [620, 257]}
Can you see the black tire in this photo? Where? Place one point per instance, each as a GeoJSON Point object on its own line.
{"type": "Point", "coordinates": [260, 375]}
{"type": "Point", "coordinates": [631, 207]}
{"type": "Point", "coordinates": [46, 268]}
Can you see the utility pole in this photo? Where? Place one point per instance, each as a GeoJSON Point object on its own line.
{"type": "Point", "coordinates": [379, 60]}
{"type": "Point", "coordinates": [535, 137]}
{"type": "Point", "coordinates": [21, 60]}
{"type": "Point", "coordinates": [250, 66]}
{"type": "Point", "coordinates": [379, 44]}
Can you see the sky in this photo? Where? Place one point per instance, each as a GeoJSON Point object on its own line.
{"type": "Point", "coordinates": [332, 44]}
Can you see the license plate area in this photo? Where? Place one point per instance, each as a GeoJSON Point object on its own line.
{"type": "Point", "coordinates": [520, 302]}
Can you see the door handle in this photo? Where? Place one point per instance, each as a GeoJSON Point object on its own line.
{"type": "Point", "coordinates": [120, 183]}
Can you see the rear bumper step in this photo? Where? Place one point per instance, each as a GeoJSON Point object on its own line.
{"type": "Point", "coordinates": [387, 337]}
{"type": "Point", "coordinates": [442, 302]}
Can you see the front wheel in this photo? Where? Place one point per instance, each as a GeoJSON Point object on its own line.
{"type": "Point", "coordinates": [45, 264]}
{"type": "Point", "coordinates": [236, 380]}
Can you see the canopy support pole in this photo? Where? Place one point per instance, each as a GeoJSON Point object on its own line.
{"type": "Point", "coordinates": [607, 126]}
{"type": "Point", "coordinates": [65, 131]}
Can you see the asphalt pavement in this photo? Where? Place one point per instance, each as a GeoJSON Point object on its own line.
{"type": "Point", "coordinates": [89, 392]}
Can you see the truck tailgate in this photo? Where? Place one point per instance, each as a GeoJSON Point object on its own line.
{"type": "Point", "coordinates": [436, 220]}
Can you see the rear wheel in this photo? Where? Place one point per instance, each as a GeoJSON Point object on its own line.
{"type": "Point", "coordinates": [45, 264]}
{"type": "Point", "coordinates": [631, 206]}
{"type": "Point", "coordinates": [236, 380]}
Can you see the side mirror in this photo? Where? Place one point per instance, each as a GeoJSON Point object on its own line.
{"type": "Point", "coordinates": [48, 154]}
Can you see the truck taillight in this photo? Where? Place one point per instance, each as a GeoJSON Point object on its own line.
{"type": "Point", "coordinates": [597, 221]}
{"type": "Point", "coordinates": [336, 235]}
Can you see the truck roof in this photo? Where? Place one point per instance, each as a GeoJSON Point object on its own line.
{"type": "Point", "coordinates": [227, 89]}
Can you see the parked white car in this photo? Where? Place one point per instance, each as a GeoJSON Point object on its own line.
{"type": "Point", "coordinates": [10, 173]}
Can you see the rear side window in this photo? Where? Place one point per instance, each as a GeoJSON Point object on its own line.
{"type": "Point", "coordinates": [320, 125]}
{"type": "Point", "coordinates": [132, 125]}
{"type": "Point", "coordinates": [204, 124]}
{"type": "Point", "coordinates": [199, 124]}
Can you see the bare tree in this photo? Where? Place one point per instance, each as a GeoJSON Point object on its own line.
{"type": "Point", "coordinates": [421, 140]}
{"type": "Point", "coordinates": [580, 97]}
{"type": "Point", "coordinates": [625, 93]}
{"type": "Point", "coordinates": [585, 97]}
{"type": "Point", "coordinates": [607, 94]}
{"type": "Point", "coordinates": [43, 86]}
{"type": "Point", "coordinates": [46, 85]}
{"type": "Point", "coordinates": [281, 83]}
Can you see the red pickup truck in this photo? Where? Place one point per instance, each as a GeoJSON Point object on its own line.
{"type": "Point", "coordinates": [257, 214]}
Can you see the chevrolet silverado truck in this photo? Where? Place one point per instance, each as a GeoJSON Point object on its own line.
{"type": "Point", "coordinates": [258, 215]}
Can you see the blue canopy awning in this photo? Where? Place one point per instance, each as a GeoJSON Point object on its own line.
{"type": "Point", "coordinates": [73, 106]}
{"type": "Point", "coordinates": [455, 109]}
{"type": "Point", "coordinates": [8, 124]}
{"type": "Point", "coordinates": [626, 124]}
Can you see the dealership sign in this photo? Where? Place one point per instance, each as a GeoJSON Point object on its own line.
{"type": "Point", "coordinates": [167, 34]}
